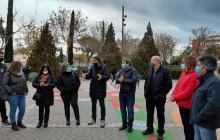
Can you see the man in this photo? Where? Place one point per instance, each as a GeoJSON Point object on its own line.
{"type": "Point", "coordinates": [99, 76]}
{"type": "Point", "coordinates": [127, 77]}
{"type": "Point", "coordinates": [157, 86]}
{"type": "Point", "coordinates": [3, 111]}
{"type": "Point", "coordinates": [205, 110]}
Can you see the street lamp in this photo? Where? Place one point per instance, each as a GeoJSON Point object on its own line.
{"type": "Point", "coordinates": [123, 25]}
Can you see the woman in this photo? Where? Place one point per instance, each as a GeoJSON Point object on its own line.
{"type": "Point", "coordinates": [99, 76]}
{"type": "Point", "coordinates": [183, 93]}
{"type": "Point", "coordinates": [68, 84]}
{"type": "Point", "coordinates": [15, 85]}
{"type": "Point", "coordinates": [44, 83]}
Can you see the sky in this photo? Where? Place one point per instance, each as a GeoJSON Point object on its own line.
{"type": "Point", "coordinates": [175, 17]}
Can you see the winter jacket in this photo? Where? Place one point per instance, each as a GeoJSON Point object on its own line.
{"type": "Point", "coordinates": [68, 82]}
{"type": "Point", "coordinates": [3, 69]}
{"type": "Point", "coordinates": [157, 87]}
{"type": "Point", "coordinates": [15, 84]}
{"type": "Point", "coordinates": [128, 85]}
{"type": "Point", "coordinates": [205, 108]}
{"type": "Point", "coordinates": [47, 92]}
{"type": "Point", "coordinates": [185, 88]}
{"type": "Point", "coordinates": [98, 88]}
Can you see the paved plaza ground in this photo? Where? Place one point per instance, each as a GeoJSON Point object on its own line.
{"type": "Point", "coordinates": [59, 131]}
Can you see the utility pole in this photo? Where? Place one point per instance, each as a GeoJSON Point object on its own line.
{"type": "Point", "coordinates": [123, 25]}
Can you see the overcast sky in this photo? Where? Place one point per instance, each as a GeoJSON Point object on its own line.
{"type": "Point", "coordinates": [176, 17]}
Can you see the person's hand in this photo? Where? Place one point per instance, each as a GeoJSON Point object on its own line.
{"type": "Point", "coordinates": [121, 79]}
{"type": "Point", "coordinates": [171, 99]}
{"type": "Point", "coordinates": [99, 77]}
{"type": "Point", "coordinates": [45, 84]}
{"type": "Point", "coordinates": [41, 84]}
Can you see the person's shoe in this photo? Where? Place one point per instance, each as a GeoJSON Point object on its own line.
{"type": "Point", "coordinates": [160, 137]}
{"type": "Point", "coordinates": [122, 128]}
{"type": "Point", "coordinates": [6, 122]}
{"type": "Point", "coordinates": [92, 122]}
{"type": "Point", "coordinates": [102, 124]}
{"type": "Point", "coordinates": [77, 122]}
{"type": "Point", "coordinates": [130, 129]}
{"type": "Point", "coordinates": [45, 125]}
{"type": "Point", "coordinates": [68, 122]}
{"type": "Point", "coordinates": [148, 131]}
{"type": "Point", "coordinates": [39, 125]}
{"type": "Point", "coordinates": [21, 125]}
{"type": "Point", "coordinates": [14, 127]}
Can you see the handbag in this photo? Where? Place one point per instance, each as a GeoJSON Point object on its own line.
{"type": "Point", "coordinates": [37, 96]}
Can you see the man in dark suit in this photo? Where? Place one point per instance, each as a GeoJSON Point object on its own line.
{"type": "Point", "coordinates": [157, 85]}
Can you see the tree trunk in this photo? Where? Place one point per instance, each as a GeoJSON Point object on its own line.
{"type": "Point", "coordinates": [71, 39]}
{"type": "Point", "coordinates": [9, 34]}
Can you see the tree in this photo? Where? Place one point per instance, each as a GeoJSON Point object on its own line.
{"type": "Point", "coordinates": [71, 39]}
{"type": "Point", "coordinates": [2, 33]}
{"type": "Point", "coordinates": [60, 25]}
{"type": "Point", "coordinates": [89, 46]}
{"type": "Point", "coordinates": [44, 47]}
{"type": "Point", "coordinates": [165, 44]}
{"type": "Point", "coordinates": [110, 51]}
{"type": "Point", "coordinates": [9, 34]}
{"type": "Point", "coordinates": [61, 55]}
{"type": "Point", "coordinates": [176, 60]}
{"type": "Point", "coordinates": [146, 49]}
{"type": "Point", "coordinates": [200, 39]}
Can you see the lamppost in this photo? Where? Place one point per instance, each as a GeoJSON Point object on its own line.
{"type": "Point", "coordinates": [123, 25]}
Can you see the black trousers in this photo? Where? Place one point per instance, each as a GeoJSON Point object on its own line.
{"type": "Point", "coordinates": [3, 110]}
{"type": "Point", "coordinates": [102, 106]}
{"type": "Point", "coordinates": [44, 113]}
{"type": "Point", "coordinates": [188, 128]}
{"type": "Point", "coordinates": [151, 104]}
{"type": "Point", "coordinates": [73, 100]}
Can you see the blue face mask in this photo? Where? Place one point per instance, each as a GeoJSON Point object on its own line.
{"type": "Point", "coordinates": [183, 66]}
{"type": "Point", "coordinates": [198, 70]}
{"type": "Point", "coordinates": [123, 66]}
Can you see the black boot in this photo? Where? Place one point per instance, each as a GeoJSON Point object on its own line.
{"type": "Point", "coordinates": [148, 131]}
{"type": "Point", "coordinates": [45, 124]}
{"type": "Point", "coordinates": [68, 122]}
{"type": "Point", "coordinates": [122, 128]}
{"type": "Point", "coordinates": [6, 122]}
{"type": "Point", "coordinates": [77, 122]}
{"type": "Point", "coordinates": [39, 125]}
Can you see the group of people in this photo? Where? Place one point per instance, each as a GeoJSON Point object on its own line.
{"type": "Point", "coordinates": [196, 93]}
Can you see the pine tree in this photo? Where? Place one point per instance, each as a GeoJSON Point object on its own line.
{"type": "Point", "coordinates": [146, 50]}
{"type": "Point", "coordinates": [44, 52]}
{"type": "Point", "coordinates": [9, 34]}
{"type": "Point", "coordinates": [110, 51]}
{"type": "Point", "coordinates": [61, 56]}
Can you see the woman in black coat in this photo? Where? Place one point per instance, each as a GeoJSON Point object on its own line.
{"type": "Point", "coordinates": [99, 76]}
{"type": "Point", "coordinates": [68, 83]}
{"type": "Point", "coordinates": [44, 83]}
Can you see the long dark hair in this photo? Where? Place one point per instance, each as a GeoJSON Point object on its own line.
{"type": "Point", "coordinates": [42, 70]}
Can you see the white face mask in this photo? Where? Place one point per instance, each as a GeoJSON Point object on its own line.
{"type": "Point", "coordinates": [45, 72]}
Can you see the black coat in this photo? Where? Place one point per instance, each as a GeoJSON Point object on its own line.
{"type": "Point", "coordinates": [129, 83]}
{"type": "Point", "coordinates": [205, 107]}
{"type": "Point", "coordinates": [98, 88]}
{"type": "Point", "coordinates": [46, 92]}
{"type": "Point", "coordinates": [68, 83]}
{"type": "Point", "coordinates": [158, 87]}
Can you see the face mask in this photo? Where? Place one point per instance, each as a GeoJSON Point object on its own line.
{"type": "Point", "coordinates": [198, 70]}
{"type": "Point", "coordinates": [183, 66]}
{"type": "Point", "coordinates": [123, 66]}
{"type": "Point", "coordinates": [1, 60]}
{"type": "Point", "coordinates": [69, 69]}
{"type": "Point", "coordinates": [45, 72]}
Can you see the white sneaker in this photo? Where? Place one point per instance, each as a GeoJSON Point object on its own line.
{"type": "Point", "coordinates": [92, 122]}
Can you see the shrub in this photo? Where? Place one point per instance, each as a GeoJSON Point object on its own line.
{"type": "Point", "coordinates": [175, 73]}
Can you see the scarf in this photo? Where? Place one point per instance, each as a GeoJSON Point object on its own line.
{"type": "Point", "coordinates": [44, 78]}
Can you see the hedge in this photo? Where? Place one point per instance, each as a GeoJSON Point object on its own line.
{"type": "Point", "coordinates": [175, 73]}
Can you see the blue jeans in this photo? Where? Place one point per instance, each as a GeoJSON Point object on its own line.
{"type": "Point", "coordinates": [127, 108]}
{"type": "Point", "coordinates": [17, 101]}
{"type": "Point", "coordinates": [204, 133]}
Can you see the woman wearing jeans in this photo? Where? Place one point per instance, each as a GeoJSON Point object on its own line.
{"type": "Point", "coordinates": [15, 85]}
